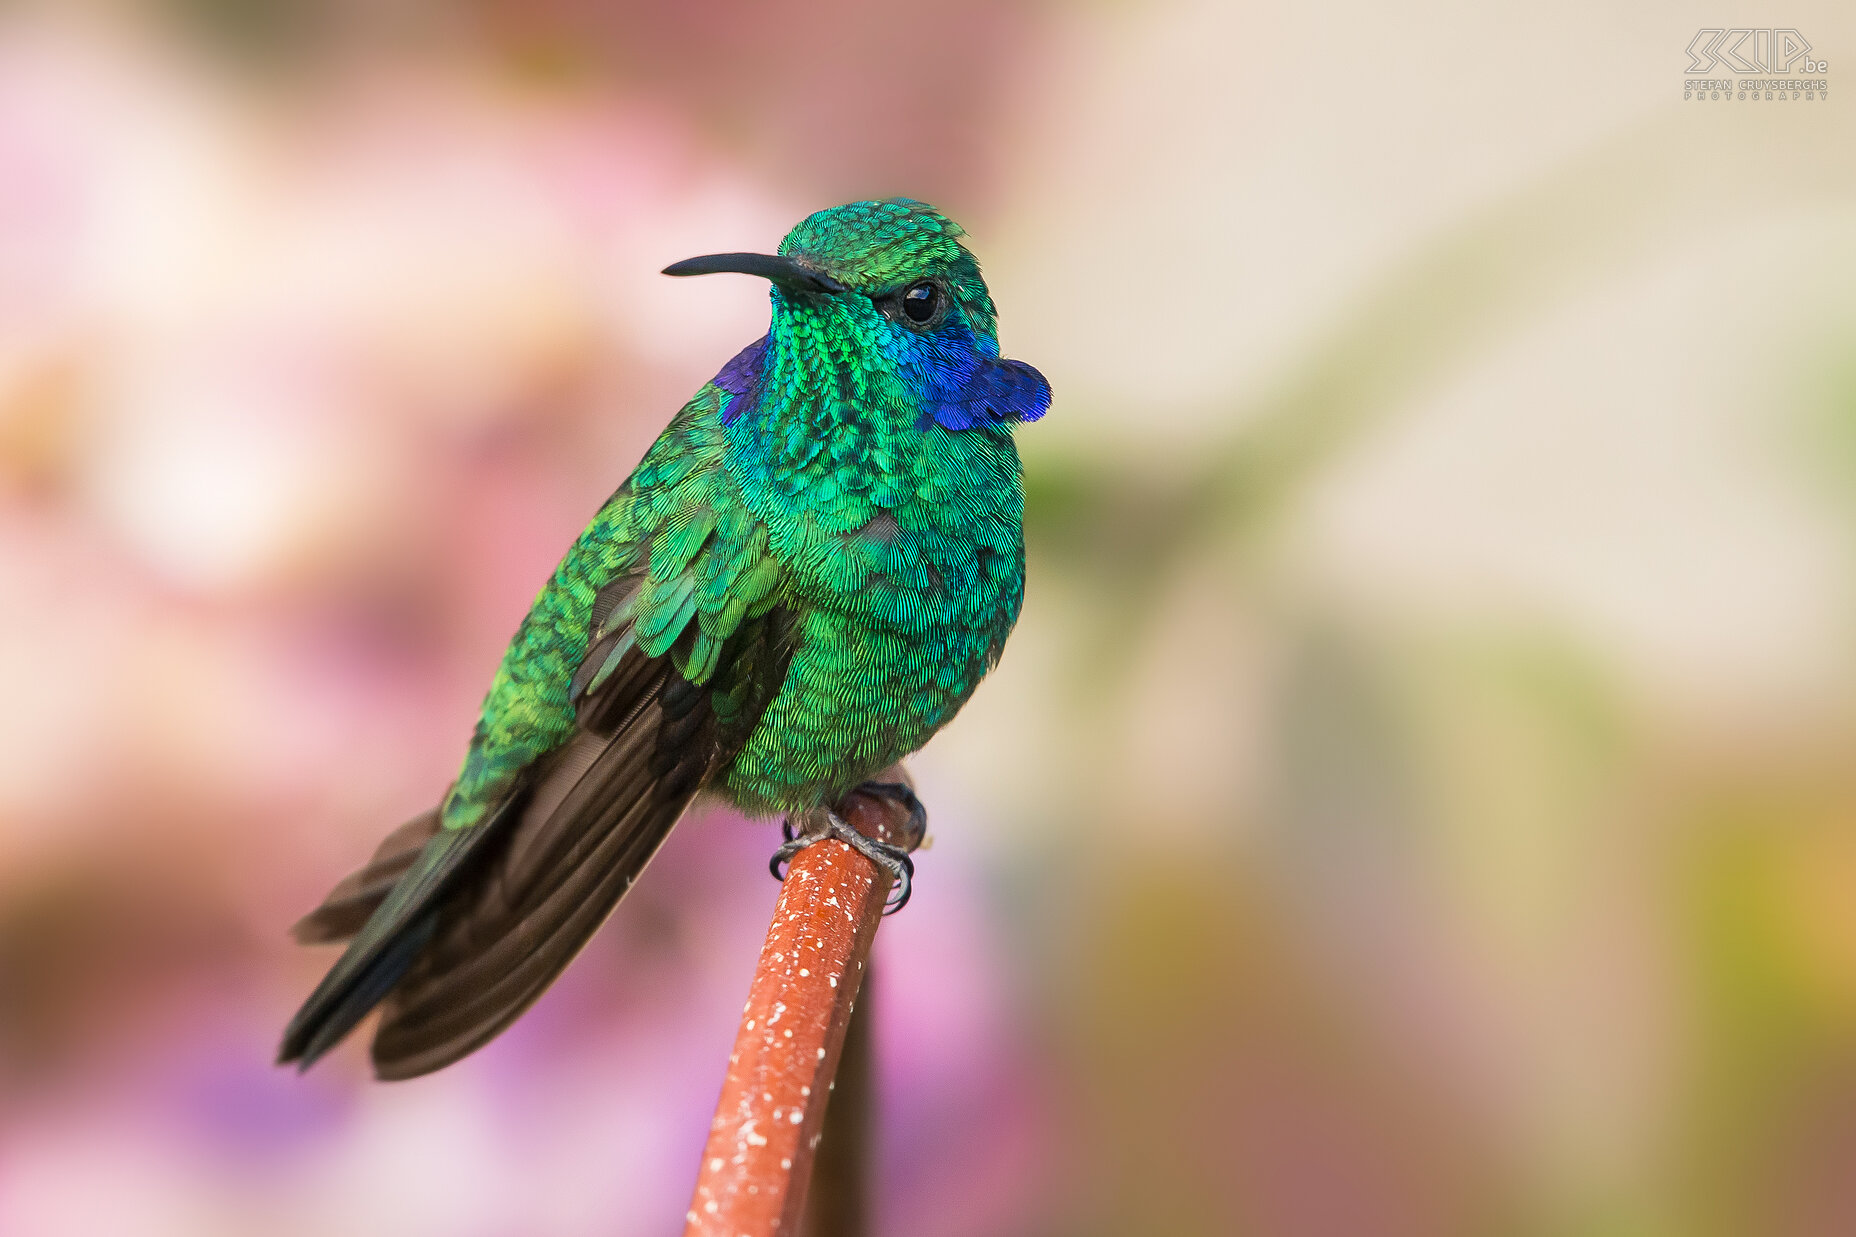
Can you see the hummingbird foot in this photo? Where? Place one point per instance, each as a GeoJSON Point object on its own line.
{"type": "Point", "coordinates": [892, 859]}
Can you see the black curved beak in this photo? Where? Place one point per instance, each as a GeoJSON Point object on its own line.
{"type": "Point", "coordinates": [789, 273]}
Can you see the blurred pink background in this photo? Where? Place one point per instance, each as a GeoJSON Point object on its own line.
{"type": "Point", "coordinates": [1419, 797]}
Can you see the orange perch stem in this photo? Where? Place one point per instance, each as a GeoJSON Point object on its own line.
{"type": "Point", "coordinates": [758, 1160]}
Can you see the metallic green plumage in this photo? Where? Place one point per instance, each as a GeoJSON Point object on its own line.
{"type": "Point", "coordinates": [805, 577]}
{"type": "Point", "coordinates": [898, 547]}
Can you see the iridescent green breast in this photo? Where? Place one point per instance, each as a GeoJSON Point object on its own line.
{"type": "Point", "coordinates": [904, 608]}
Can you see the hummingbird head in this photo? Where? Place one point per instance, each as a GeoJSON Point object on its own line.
{"type": "Point", "coordinates": [886, 291]}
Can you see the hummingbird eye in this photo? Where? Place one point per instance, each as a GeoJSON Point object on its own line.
{"type": "Point", "coordinates": [920, 302]}
{"type": "Point", "coordinates": [921, 305]}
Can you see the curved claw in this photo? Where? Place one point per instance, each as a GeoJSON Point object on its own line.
{"type": "Point", "coordinates": [905, 883]}
{"type": "Point", "coordinates": [892, 859]}
{"type": "Point", "coordinates": [793, 844]}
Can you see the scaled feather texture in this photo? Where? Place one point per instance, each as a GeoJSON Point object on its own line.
{"type": "Point", "coordinates": [805, 577]}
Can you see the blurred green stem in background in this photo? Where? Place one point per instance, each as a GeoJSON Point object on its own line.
{"type": "Point", "coordinates": [1434, 312]}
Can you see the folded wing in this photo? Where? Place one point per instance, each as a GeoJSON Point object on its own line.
{"type": "Point", "coordinates": [456, 931]}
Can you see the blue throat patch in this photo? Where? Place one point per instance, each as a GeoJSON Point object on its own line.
{"type": "Point", "coordinates": [962, 388]}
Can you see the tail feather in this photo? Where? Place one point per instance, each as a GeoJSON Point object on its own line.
{"type": "Point", "coordinates": [562, 873]}
{"type": "Point", "coordinates": [385, 948]}
{"type": "Point", "coordinates": [457, 931]}
{"type": "Point", "coordinates": [353, 902]}
{"type": "Point", "coordinates": [350, 1005]}
{"type": "Point", "coordinates": [464, 930]}
{"type": "Point", "coordinates": [423, 1028]}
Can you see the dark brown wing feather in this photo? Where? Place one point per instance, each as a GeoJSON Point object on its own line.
{"type": "Point", "coordinates": [351, 903]}
{"type": "Point", "coordinates": [458, 931]}
{"type": "Point", "coordinates": [597, 815]}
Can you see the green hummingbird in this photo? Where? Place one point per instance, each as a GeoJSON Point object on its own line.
{"type": "Point", "coordinates": [803, 580]}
